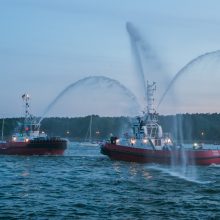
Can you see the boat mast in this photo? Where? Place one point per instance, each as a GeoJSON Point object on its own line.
{"type": "Point", "coordinates": [151, 88]}
{"type": "Point", "coordinates": [3, 120]}
{"type": "Point", "coordinates": [28, 117]}
{"type": "Point", "coordinates": [90, 129]}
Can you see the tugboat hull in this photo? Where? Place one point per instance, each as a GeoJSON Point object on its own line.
{"type": "Point", "coordinates": [34, 147]}
{"type": "Point", "coordinates": [148, 143]}
{"type": "Point", "coordinates": [28, 140]}
{"type": "Point", "coordinates": [179, 156]}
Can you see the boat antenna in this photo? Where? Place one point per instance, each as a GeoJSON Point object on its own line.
{"type": "Point", "coordinates": [26, 99]}
{"type": "Point", "coordinates": [90, 129]}
{"type": "Point", "coordinates": [151, 88]}
{"type": "Point", "coordinates": [28, 120]}
{"type": "Point", "coordinates": [151, 112]}
{"type": "Point", "coordinates": [3, 120]}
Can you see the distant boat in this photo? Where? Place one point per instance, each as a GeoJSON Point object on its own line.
{"type": "Point", "coordinates": [89, 142]}
{"type": "Point", "coordinates": [29, 141]}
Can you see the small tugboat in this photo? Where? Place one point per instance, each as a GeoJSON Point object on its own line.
{"type": "Point", "coordinates": [148, 143]}
{"type": "Point", "coordinates": [29, 141]}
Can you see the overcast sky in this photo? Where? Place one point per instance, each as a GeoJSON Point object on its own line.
{"type": "Point", "coordinates": [46, 45]}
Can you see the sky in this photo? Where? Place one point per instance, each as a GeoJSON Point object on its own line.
{"type": "Point", "coordinates": [46, 45]}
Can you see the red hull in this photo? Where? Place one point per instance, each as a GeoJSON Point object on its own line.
{"type": "Point", "coordinates": [132, 154]}
{"type": "Point", "coordinates": [34, 148]}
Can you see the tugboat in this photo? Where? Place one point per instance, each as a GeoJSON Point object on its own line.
{"type": "Point", "coordinates": [29, 141]}
{"type": "Point", "coordinates": [148, 143]}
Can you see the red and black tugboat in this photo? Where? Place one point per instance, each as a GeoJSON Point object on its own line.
{"type": "Point", "coordinates": [148, 143]}
{"type": "Point", "coordinates": [28, 140]}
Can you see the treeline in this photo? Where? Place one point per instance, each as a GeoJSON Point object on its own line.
{"type": "Point", "coordinates": [197, 127]}
{"type": "Point", "coordinates": [187, 127]}
{"type": "Point", "coordinates": [73, 128]}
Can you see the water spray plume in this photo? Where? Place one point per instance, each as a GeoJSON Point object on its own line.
{"type": "Point", "coordinates": [147, 62]}
{"type": "Point", "coordinates": [133, 33]}
{"type": "Point", "coordinates": [94, 80]}
{"type": "Point", "coordinates": [146, 49]}
{"type": "Point", "coordinates": [135, 39]}
{"type": "Point", "coordinates": [185, 68]}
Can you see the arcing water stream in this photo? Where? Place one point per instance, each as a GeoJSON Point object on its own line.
{"type": "Point", "coordinates": [184, 171]}
{"type": "Point", "coordinates": [184, 69]}
{"type": "Point", "coordinates": [147, 63]}
{"type": "Point", "coordinates": [94, 80]}
{"type": "Point", "coordinates": [135, 40]}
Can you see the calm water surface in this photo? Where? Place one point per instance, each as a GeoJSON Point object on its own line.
{"type": "Point", "coordinates": [83, 184]}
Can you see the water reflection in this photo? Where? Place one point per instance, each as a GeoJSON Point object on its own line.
{"type": "Point", "coordinates": [132, 170]}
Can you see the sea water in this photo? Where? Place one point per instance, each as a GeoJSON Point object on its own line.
{"type": "Point", "coordinates": [84, 184]}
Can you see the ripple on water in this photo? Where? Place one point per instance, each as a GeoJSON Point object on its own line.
{"type": "Point", "coordinates": [83, 184]}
